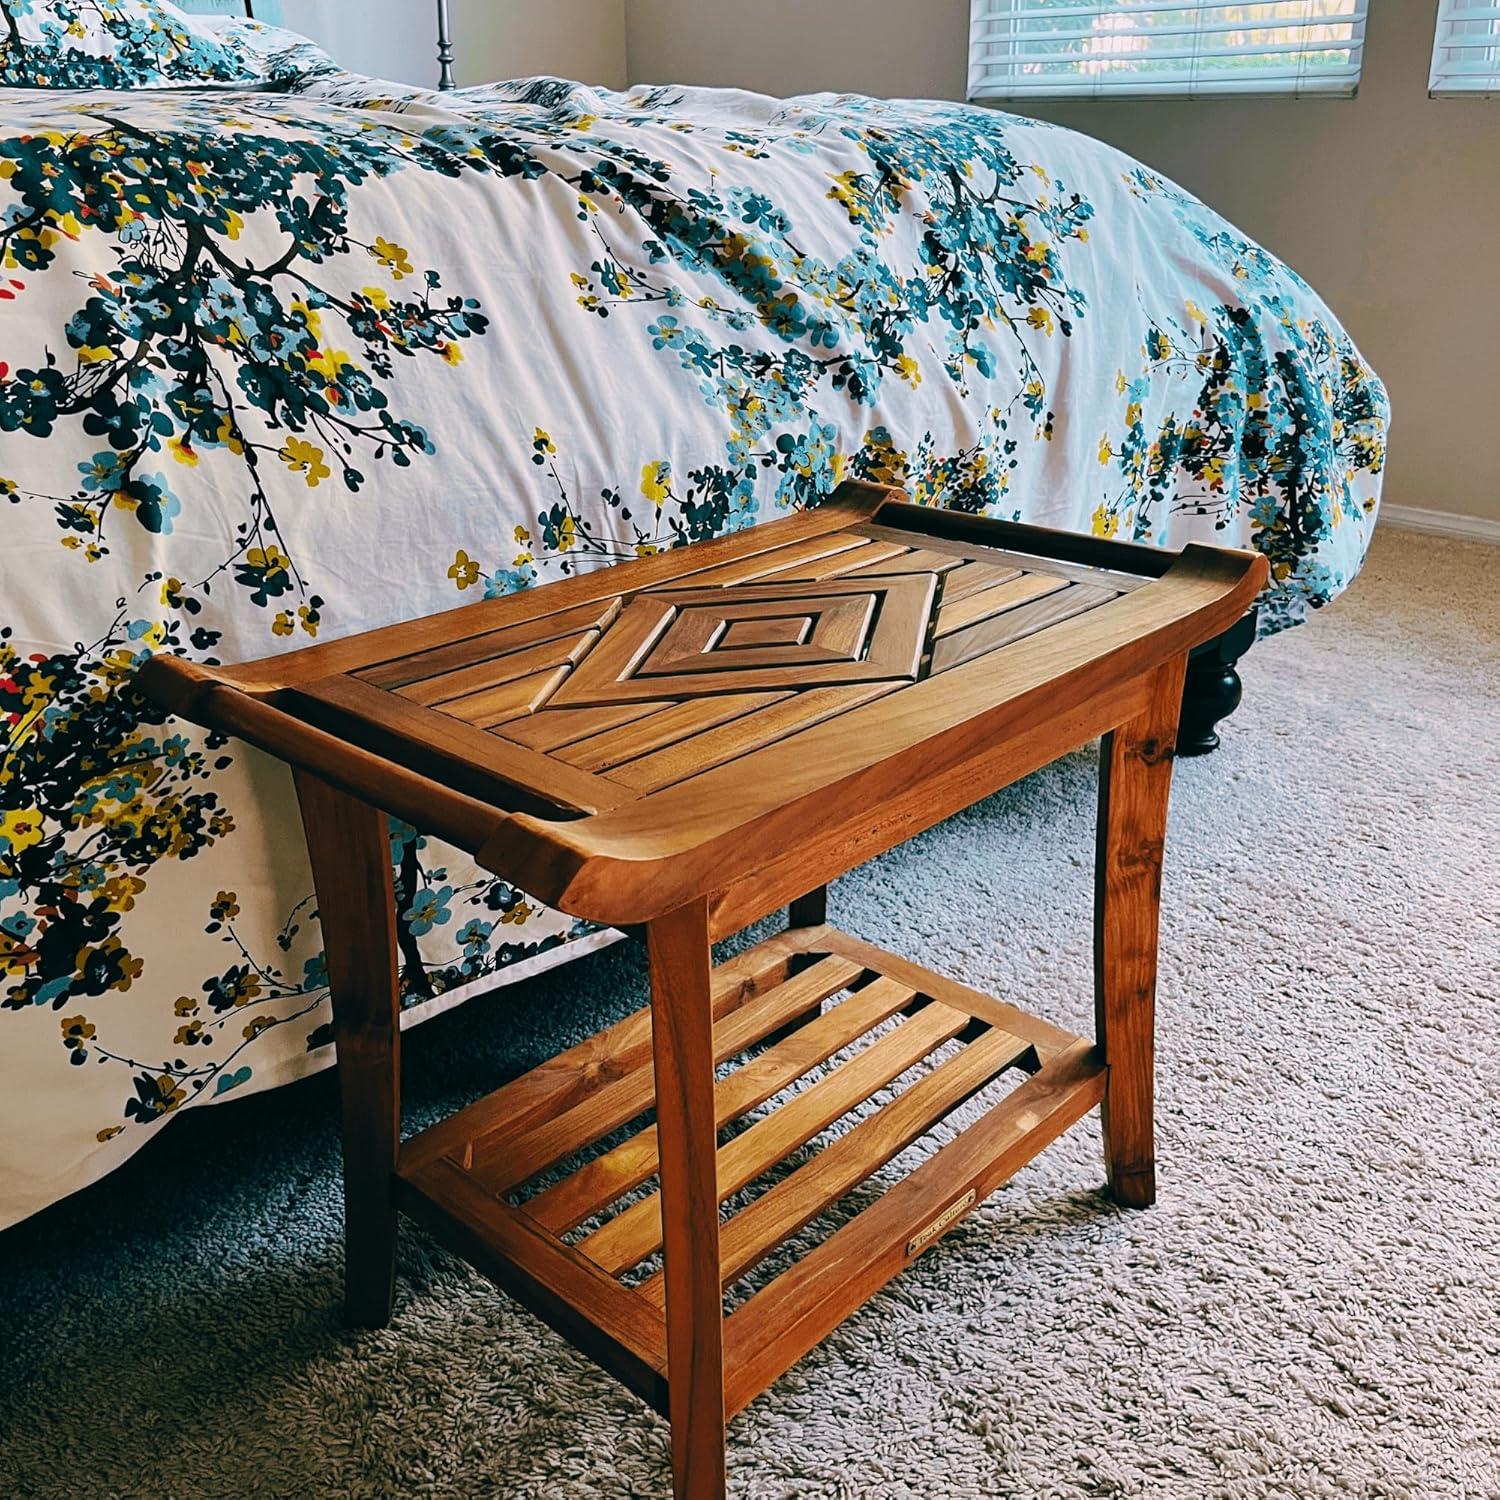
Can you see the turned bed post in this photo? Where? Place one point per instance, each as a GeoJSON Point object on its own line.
{"type": "Point", "coordinates": [445, 53]}
{"type": "Point", "coordinates": [1212, 689]}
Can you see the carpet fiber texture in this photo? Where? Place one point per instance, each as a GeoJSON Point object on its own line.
{"type": "Point", "coordinates": [1313, 1309]}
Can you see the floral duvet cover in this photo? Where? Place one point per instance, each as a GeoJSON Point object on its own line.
{"type": "Point", "coordinates": [294, 364]}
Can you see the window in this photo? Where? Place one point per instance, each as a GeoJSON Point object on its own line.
{"type": "Point", "coordinates": [1466, 56]}
{"type": "Point", "coordinates": [1066, 49]}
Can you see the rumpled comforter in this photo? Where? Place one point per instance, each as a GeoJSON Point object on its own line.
{"type": "Point", "coordinates": [300, 363]}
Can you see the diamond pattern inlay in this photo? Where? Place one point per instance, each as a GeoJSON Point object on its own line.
{"type": "Point", "coordinates": [684, 643]}
{"type": "Point", "coordinates": [695, 641]}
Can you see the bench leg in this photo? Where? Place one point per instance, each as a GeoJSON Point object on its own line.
{"type": "Point", "coordinates": [810, 910]}
{"type": "Point", "coordinates": [1135, 777]}
{"type": "Point", "coordinates": [351, 863]}
{"type": "Point", "coordinates": [682, 1041]}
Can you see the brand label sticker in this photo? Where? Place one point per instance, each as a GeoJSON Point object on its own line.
{"type": "Point", "coordinates": [925, 1237]}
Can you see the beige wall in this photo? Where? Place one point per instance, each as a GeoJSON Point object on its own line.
{"type": "Point", "coordinates": [1388, 203]}
{"type": "Point", "coordinates": [899, 48]}
{"type": "Point", "coordinates": [397, 39]}
{"type": "Point", "coordinates": [583, 39]}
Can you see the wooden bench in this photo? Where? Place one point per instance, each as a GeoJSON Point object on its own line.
{"type": "Point", "coordinates": [684, 744]}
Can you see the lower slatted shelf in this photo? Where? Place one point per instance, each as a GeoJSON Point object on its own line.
{"type": "Point", "coordinates": [547, 1185]}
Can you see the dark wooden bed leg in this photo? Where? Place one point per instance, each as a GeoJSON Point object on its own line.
{"type": "Point", "coordinates": [1213, 689]}
{"type": "Point", "coordinates": [1135, 778]}
{"type": "Point", "coordinates": [351, 863]}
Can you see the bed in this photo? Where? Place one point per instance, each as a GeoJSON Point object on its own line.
{"type": "Point", "coordinates": [263, 346]}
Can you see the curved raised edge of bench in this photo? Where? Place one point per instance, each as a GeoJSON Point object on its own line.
{"type": "Point", "coordinates": [200, 694]}
{"type": "Point", "coordinates": [630, 864]}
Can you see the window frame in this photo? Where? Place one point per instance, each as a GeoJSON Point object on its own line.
{"type": "Point", "coordinates": [1441, 76]}
{"type": "Point", "coordinates": [991, 21]}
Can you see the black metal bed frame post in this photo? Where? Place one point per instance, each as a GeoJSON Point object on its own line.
{"type": "Point", "coordinates": [445, 47]}
{"type": "Point", "coordinates": [446, 56]}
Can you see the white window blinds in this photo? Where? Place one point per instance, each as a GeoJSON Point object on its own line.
{"type": "Point", "coordinates": [1466, 57]}
{"type": "Point", "coordinates": [1066, 49]}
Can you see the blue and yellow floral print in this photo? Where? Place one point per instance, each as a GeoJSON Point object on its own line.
{"type": "Point", "coordinates": [112, 44]}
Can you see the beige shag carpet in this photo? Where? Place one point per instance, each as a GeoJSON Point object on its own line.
{"type": "Point", "coordinates": [1313, 1309]}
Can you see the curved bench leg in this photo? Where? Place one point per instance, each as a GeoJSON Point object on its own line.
{"type": "Point", "coordinates": [351, 863]}
{"type": "Point", "coordinates": [1135, 777]}
{"type": "Point", "coordinates": [687, 1142]}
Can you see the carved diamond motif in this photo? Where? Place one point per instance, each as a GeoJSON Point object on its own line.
{"type": "Point", "coordinates": [684, 643]}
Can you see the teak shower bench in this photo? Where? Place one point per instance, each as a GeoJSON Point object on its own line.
{"type": "Point", "coordinates": [686, 743]}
